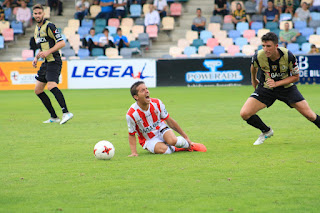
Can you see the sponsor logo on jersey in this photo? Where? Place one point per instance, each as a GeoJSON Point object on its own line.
{"type": "Point", "coordinates": [41, 40]}
{"type": "Point", "coordinates": [277, 75]}
{"type": "Point", "coordinates": [150, 128]}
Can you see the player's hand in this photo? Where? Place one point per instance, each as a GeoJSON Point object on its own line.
{"type": "Point", "coordinates": [133, 155]}
{"type": "Point", "coordinates": [34, 62]}
{"type": "Point", "coordinates": [271, 83]}
{"type": "Point", "coordinates": [255, 83]}
{"type": "Point", "coordinates": [43, 54]}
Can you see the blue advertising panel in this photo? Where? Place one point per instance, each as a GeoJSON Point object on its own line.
{"type": "Point", "coordinates": [309, 66]}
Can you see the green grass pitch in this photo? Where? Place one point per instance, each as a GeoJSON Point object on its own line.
{"type": "Point", "coordinates": [51, 167]}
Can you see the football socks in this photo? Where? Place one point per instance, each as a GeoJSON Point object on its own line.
{"type": "Point", "coordinates": [182, 143]}
{"type": "Point", "coordinates": [59, 96]}
{"type": "Point", "coordinates": [47, 103]}
{"type": "Point", "coordinates": [256, 122]}
{"type": "Point", "coordinates": [317, 121]}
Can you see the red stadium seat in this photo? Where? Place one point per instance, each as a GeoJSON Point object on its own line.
{"type": "Point", "coordinates": [27, 54]}
{"type": "Point", "coordinates": [175, 9]}
{"type": "Point", "coordinates": [152, 31]}
{"type": "Point", "coordinates": [114, 22]}
{"type": "Point", "coordinates": [212, 42]}
{"type": "Point", "coordinates": [8, 34]}
{"type": "Point", "coordinates": [233, 49]}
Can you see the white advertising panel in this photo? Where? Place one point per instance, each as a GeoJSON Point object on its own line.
{"type": "Point", "coordinates": [96, 74]}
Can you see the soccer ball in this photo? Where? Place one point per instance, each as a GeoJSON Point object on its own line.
{"type": "Point", "coordinates": [103, 150]}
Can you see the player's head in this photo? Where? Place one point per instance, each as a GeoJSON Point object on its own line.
{"type": "Point", "coordinates": [139, 91]}
{"type": "Point", "coordinates": [119, 31]}
{"type": "Point", "coordinates": [38, 13]}
{"type": "Point", "coordinates": [269, 43]}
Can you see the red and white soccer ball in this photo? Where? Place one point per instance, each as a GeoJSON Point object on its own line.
{"type": "Point", "coordinates": [103, 150]}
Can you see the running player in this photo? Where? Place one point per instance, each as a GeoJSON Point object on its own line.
{"type": "Point", "coordinates": [279, 70]}
{"type": "Point", "coordinates": [147, 117]}
{"type": "Point", "coordinates": [49, 40]}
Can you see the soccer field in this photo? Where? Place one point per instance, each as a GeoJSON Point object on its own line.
{"type": "Point", "coordinates": [51, 167]}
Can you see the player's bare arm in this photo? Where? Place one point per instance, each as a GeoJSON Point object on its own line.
{"type": "Point", "coordinates": [55, 48]}
{"type": "Point", "coordinates": [175, 126]}
{"type": "Point", "coordinates": [133, 145]}
{"type": "Point", "coordinates": [254, 79]}
{"type": "Point", "coordinates": [292, 79]}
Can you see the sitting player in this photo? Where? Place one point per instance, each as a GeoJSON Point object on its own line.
{"type": "Point", "coordinates": [147, 118]}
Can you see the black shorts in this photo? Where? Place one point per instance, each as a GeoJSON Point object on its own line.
{"type": "Point", "coordinates": [49, 71]}
{"type": "Point", "coordinates": [288, 95]}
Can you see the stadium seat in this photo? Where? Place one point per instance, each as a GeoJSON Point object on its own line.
{"type": "Point", "coordinates": [166, 56]}
{"type": "Point", "coordinates": [234, 34]}
{"type": "Point", "coordinates": [255, 41]}
{"type": "Point", "coordinates": [183, 43]}
{"type": "Point", "coordinates": [228, 26]}
{"type": "Point", "coordinates": [167, 23]}
{"type": "Point", "coordinates": [241, 42]}
{"type": "Point", "coordinates": [75, 23]}
{"type": "Point", "coordinates": [17, 27]}
{"type": "Point", "coordinates": [248, 34]}
{"type": "Point", "coordinates": [314, 23]}
{"type": "Point", "coordinates": [257, 18]}
{"type": "Point", "coordinates": [293, 47]}
{"type": "Point", "coordinates": [139, 21]}
{"type": "Point", "coordinates": [261, 32]}
{"type": "Point", "coordinates": [214, 27]}
{"type": "Point", "coordinates": [205, 35]}
{"type": "Point", "coordinates": [306, 47]}
{"type": "Point", "coordinates": [250, 7]}
{"type": "Point", "coordinates": [227, 42]}
{"type": "Point", "coordinates": [137, 29]}
{"type": "Point", "coordinates": [87, 23]}
{"type": "Point", "coordinates": [68, 52]}
{"type": "Point", "coordinates": [4, 25]}
{"type": "Point", "coordinates": [242, 26]}
{"type": "Point", "coordinates": [135, 44]}
{"type": "Point", "coordinates": [190, 50]}
{"type": "Point", "coordinates": [315, 39]}
{"type": "Point", "coordinates": [135, 10]}
{"type": "Point", "coordinates": [285, 16]}
{"type": "Point", "coordinates": [112, 30]}
{"type": "Point", "coordinates": [233, 49]}
{"type": "Point", "coordinates": [8, 13]}
{"type": "Point", "coordinates": [175, 9]}
{"type": "Point", "coordinates": [204, 50]}
{"type": "Point", "coordinates": [191, 35]}
{"type": "Point", "coordinates": [126, 30]}
{"type": "Point", "coordinates": [131, 37]}
{"type": "Point", "coordinates": [175, 51]}
{"type": "Point", "coordinates": [27, 54]}
{"type": "Point", "coordinates": [212, 42]}
{"type": "Point", "coordinates": [126, 52]}
{"type": "Point", "coordinates": [46, 11]}
{"type": "Point", "coordinates": [145, 8]}
{"type": "Point", "coordinates": [97, 52]}
{"type": "Point", "coordinates": [220, 35]}
{"type": "Point", "coordinates": [217, 50]}
{"type": "Point", "coordinates": [197, 43]}
{"type": "Point", "coordinates": [276, 31]}
{"type": "Point", "coordinates": [272, 25]}
{"type": "Point", "coordinates": [152, 30]}
{"type": "Point", "coordinates": [100, 22]}
{"type": "Point", "coordinates": [110, 52]}
{"type": "Point", "coordinates": [83, 53]}
{"type": "Point", "coordinates": [1, 42]}
{"type": "Point", "coordinates": [216, 19]}
{"type": "Point", "coordinates": [69, 32]}
{"type": "Point", "coordinates": [315, 16]}
{"type": "Point", "coordinates": [144, 39]}
{"type": "Point", "coordinates": [282, 23]}
{"type": "Point", "coordinates": [99, 29]}
{"type": "Point", "coordinates": [318, 31]}
{"type": "Point", "coordinates": [300, 25]}
{"type": "Point", "coordinates": [94, 10]}
{"type": "Point", "coordinates": [256, 26]}
{"type": "Point", "coordinates": [248, 50]}
{"type": "Point", "coordinates": [227, 19]}
{"type": "Point", "coordinates": [239, 54]}
{"type": "Point", "coordinates": [306, 32]}
{"type": "Point", "coordinates": [114, 22]}
{"type": "Point", "coordinates": [83, 31]}
{"type": "Point", "coordinates": [127, 22]}
{"type": "Point", "coordinates": [8, 34]}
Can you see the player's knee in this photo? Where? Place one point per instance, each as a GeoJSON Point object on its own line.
{"type": "Point", "coordinates": [245, 115]}
{"type": "Point", "coordinates": [161, 150]}
{"type": "Point", "coordinates": [38, 91]}
{"type": "Point", "coordinates": [172, 140]}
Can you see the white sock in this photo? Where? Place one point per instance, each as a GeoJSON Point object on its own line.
{"type": "Point", "coordinates": [170, 150]}
{"type": "Point", "coordinates": [182, 143]}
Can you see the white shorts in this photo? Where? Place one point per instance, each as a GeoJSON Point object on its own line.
{"type": "Point", "coordinates": [150, 144]}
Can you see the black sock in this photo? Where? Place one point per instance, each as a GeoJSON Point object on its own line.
{"type": "Point", "coordinates": [256, 122]}
{"type": "Point", "coordinates": [47, 103]}
{"type": "Point", "coordinates": [59, 96]}
{"type": "Point", "coordinates": [317, 121]}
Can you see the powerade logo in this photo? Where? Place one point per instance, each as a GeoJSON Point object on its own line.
{"type": "Point", "coordinates": [213, 75]}
{"type": "Point", "coordinates": [108, 72]}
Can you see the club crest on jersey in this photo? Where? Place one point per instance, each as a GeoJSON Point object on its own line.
{"type": "Point", "coordinates": [284, 67]}
{"type": "Point", "coordinates": [274, 67]}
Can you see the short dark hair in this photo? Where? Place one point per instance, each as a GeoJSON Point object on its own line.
{"type": "Point", "coordinates": [119, 28]}
{"type": "Point", "coordinates": [199, 9]}
{"type": "Point", "coordinates": [105, 29]}
{"type": "Point", "coordinates": [37, 6]}
{"type": "Point", "coordinates": [92, 28]}
{"type": "Point", "coordinates": [270, 36]}
{"type": "Point", "coordinates": [133, 88]}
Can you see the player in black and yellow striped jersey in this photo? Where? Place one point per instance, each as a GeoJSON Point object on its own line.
{"type": "Point", "coordinates": [49, 40]}
{"type": "Point", "coordinates": [279, 70]}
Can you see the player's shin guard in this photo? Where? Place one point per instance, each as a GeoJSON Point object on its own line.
{"type": "Point", "coordinates": [59, 96]}
{"type": "Point", "coordinates": [256, 122]}
{"type": "Point", "coordinates": [317, 121]}
{"type": "Point", "coordinates": [47, 103]}
{"type": "Point", "coordinates": [182, 143]}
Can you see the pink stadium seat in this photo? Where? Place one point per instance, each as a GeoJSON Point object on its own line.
{"type": "Point", "coordinates": [233, 49]}
{"type": "Point", "coordinates": [27, 54]}
{"type": "Point", "coordinates": [175, 9]}
{"type": "Point", "coordinates": [248, 34]}
{"type": "Point", "coordinates": [114, 22]}
{"type": "Point", "coordinates": [212, 42]}
{"type": "Point", "coordinates": [152, 31]}
{"type": "Point", "coordinates": [8, 34]}
{"type": "Point", "coordinates": [227, 19]}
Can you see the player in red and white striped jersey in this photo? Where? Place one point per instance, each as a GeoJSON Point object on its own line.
{"type": "Point", "coordinates": [149, 118]}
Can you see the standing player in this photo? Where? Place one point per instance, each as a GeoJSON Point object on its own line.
{"type": "Point", "coordinates": [279, 70]}
{"type": "Point", "coordinates": [49, 40]}
{"type": "Point", "coordinates": [147, 118]}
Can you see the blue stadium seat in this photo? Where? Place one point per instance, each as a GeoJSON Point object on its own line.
{"type": "Point", "coordinates": [239, 54]}
{"type": "Point", "coordinates": [228, 26]}
{"type": "Point", "coordinates": [134, 44]}
{"type": "Point", "coordinates": [217, 50]}
{"type": "Point", "coordinates": [135, 10]}
{"type": "Point", "coordinates": [17, 27]}
{"type": "Point", "coordinates": [285, 16]}
{"type": "Point", "coordinates": [216, 19]}
{"type": "Point", "coordinates": [242, 26]}
{"type": "Point", "coordinates": [241, 41]}
{"type": "Point", "coordinates": [276, 31]}
{"type": "Point", "coordinates": [315, 16]}
{"type": "Point", "coordinates": [139, 21]}
{"type": "Point", "coordinates": [250, 7]}
{"type": "Point", "coordinates": [272, 25]}
{"type": "Point", "coordinates": [112, 30]}
{"type": "Point", "coordinates": [7, 13]}
{"type": "Point", "coordinates": [190, 50]}
{"type": "Point", "coordinates": [318, 31]}
{"type": "Point", "coordinates": [97, 52]}
{"type": "Point", "coordinates": [197, 43]}
{"type": "Point", "coordinates": [306, 47]}
{"type": "Point", "coordinates": [87, 23]}
{"type": "Point", "coordinates": [300, 25]}
{"type": "Point", "coordinates": [314, 23]}
{"type": "Point", "coordinates": [100, 22]}
{"type": "Point", "coordinates": [234, 34]}
{"type": "Point", "coordinates": [301, 39]}
{"type": "Point", "coordinates": [99, 29]}
{"type": "Point", "coordinates": [293, 47]}
{"type": "Point", "coordinates": [83, 53]}
{"type": "Point", "coordinates": [1, 42]}
{"type": "Point", "coordinates": [257, 18]}
{"type": "Point", "coordinates": [205, 35]}
{"type": "Point", "coordinates": [126, 52]}
{"type": "Point", "coordinates": [67, 52]}
{"type": "Point", "coordinates": [144, 39]}
{"type": "Point", "coordinates": [307, 32]}
{"type": "Point", "coordinates": [83, 31]}
{"type": "Point", "coordinates": [256, 26]}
